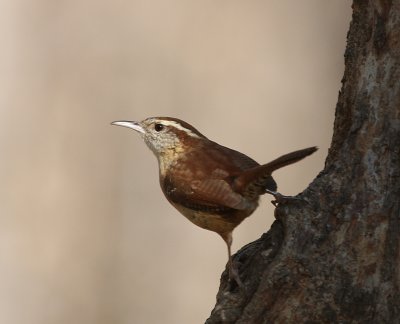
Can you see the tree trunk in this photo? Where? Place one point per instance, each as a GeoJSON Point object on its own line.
{"type": "Point", "coordinates": [334, 256]}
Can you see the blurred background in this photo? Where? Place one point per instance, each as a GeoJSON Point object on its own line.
{"type": "Point", "coordinates": [86, 235]}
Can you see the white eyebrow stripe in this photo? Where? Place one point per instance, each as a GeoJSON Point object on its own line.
{"type": "Point", "coordinates": [180, 127]}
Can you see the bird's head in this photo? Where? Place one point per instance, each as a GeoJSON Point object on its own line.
{"type": "Point", "coordinates": [165, 135]}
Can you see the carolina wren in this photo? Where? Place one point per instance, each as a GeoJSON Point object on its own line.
{"type": "Point", "coordinates": [213, 186]}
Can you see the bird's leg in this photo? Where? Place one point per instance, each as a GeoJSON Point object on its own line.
{"type": "Point", "coordinates": [232, 268]}
{"type": "Point", "coordinates": [279, 198]}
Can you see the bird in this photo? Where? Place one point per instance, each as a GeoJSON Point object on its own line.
{"type": "Point", "coordinates": [213, 186]}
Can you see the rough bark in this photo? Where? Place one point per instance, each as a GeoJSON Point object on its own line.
{"type": "Point", "coordinates": [334, 257]}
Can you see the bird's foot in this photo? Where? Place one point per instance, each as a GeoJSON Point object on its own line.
{"type": "Point", "coordinates": [280, 199]}
{"type": "Point", "coordinates": [234, 277]}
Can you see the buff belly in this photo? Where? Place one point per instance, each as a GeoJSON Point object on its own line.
{"type": "Point", "coordinates": [214, 222]}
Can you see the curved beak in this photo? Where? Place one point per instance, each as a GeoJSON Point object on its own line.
{"type": "Point", "coordinates": [130, 124]}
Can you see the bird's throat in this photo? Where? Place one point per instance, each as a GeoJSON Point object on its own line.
{"type": "Point", "coordinates": [168, 159]}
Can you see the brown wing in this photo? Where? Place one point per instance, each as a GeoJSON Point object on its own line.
{"type": "Point", "coordinates": [202, 178]}
{"type": "Point", "coordinates": [216, 191]}
{"type": "Point", "coordinates": [207, 195]}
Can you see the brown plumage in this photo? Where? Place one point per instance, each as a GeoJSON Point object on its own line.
{"type": "Point", "coordinates": [213, 186]}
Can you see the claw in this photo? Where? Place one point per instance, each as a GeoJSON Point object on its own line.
{"type": "Point", "coordinates": [279, 198]}
{"type": "Point", "coordinates": [234, 275]}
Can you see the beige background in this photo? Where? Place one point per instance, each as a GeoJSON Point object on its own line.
{"type": "Point", "coordinates": [85, 233]}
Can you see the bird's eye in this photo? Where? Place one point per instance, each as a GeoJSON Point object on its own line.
{"type": "Point", "coordinates": [158, 127]}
